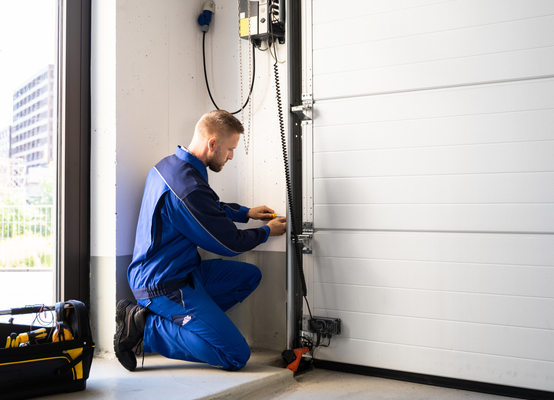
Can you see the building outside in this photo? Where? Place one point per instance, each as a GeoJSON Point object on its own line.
{"type": "Point", "coordinates": [33, 120]}
{"type": "Point", "coordinates": [5, 134]}
{"type": "Point", "coordinates": [28, 176]}
{"type": "Point", "coordinates": [13, 178]}
{"type": "Point", "coordinates": [13, 174]}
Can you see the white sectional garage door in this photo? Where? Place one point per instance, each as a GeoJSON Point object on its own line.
{"type": "Point", "coordinates": [433, 186]}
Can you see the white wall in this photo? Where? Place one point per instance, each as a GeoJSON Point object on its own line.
{"type": "Point", "coordinates": [253, 179]}
{"type": "Point", "coordinates": [103, 184]}
{"type": "Point", "coordinates": [147, 93]}
{"type": "Point", "coordinates": [145, 85]}
{"type": "Point", "coordinates": [256, 178]}
{"type": "Point", "coordinates": [158, 88]}
{"type": "Point", "coordinates": [103, 128]}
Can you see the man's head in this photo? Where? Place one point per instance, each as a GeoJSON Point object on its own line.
{"type": "Point", "coordinates": [216, 136]}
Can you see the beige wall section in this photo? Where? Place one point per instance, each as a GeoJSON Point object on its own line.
{"type": "Point", "coordinates": [147, 93]}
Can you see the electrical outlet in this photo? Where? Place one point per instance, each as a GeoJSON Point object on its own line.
{"type": "Point", "coordinates": [326, 327]}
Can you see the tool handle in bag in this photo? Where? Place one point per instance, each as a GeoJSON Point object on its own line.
{"type": "Point", "coordinates": [26, 310]}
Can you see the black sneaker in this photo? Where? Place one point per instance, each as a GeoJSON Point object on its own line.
{"type": "Point", "coordinates": [130, 319]}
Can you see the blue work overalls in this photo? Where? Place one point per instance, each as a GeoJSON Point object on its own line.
{"type": "Point", "coordinates": [188, 297]}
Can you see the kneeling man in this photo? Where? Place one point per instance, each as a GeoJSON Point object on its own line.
{"type": "Point", "coordinates": [181, 299]}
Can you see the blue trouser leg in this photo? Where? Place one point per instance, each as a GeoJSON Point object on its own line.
{"type": "Point", "coordinates": [229, 282]}
{"type": "Point", "coordinates": [190, 324]}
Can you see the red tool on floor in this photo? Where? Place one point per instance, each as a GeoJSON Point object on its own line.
{"type": "Point", "coordinates": [293, 357]}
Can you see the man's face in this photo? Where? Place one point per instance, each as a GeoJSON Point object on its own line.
{"type": "Point", "coordinates": [223, 149]}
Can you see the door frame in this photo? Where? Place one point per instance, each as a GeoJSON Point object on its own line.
{"type": "Point", "coordinates": [73, 204]}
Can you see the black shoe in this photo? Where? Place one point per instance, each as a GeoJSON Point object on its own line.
{"type": "Point", "coordinates": [130, 319]}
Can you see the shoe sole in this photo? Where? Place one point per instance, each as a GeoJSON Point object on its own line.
{"type": "Point", "coordinates": [120, 326]}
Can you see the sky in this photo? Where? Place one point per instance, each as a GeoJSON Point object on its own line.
{"type": "Point", "coordinates": [27, 44]}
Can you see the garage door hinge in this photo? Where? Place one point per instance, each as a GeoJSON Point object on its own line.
{"type": "Point", "coordinates": [304, 111]}
{"type": "Point", "coordinates": [306, 237]}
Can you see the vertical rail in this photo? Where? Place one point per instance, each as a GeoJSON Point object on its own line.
{"type": "Point", "coordinates": [294, 58]}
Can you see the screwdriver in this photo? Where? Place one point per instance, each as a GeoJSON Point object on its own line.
{"type": "Point", "coordinates": [15, 340]}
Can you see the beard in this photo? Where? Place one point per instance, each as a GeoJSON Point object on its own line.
{"type": "Point", "coordinates": [216, 163]}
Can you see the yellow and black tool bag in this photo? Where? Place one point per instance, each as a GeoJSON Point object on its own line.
{"type": "Point", "coordinates": [51, 359]}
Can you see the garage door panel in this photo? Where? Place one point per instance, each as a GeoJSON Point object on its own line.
{"type": "Point", "coordinates": [500, 370]}
{"type": "Point", "coordinates": [486, 248]}
{"type": "Point", "coordinates": [462, 159]}
{"type": "Point", "coordinates": [430, 185]}
{"type": "Point", "coordinates": [437, 189]}
{"type": "Point", "coordinates": [538, 218]}
{"type": "Point", "coordinates": [326, 10]}
{"type": "Point", "coordinates": [435, 74]}
{"type": "Point", "coordinates": [517, 280]}
{"type": "Point", "coordinates": [376, 22]}
{"type": "Point", "coordinates": [507, 310]}
{"type": "Point", "coordinates": [448, 335]}
{"type": "Point", "coordinates": [507, 97]}
{"type": "Point", "coordinates": [413, 49]}
{"type": "Point", "coordinates": [492, 52]}
{"type": "Point", "coordinates": [499, 127]}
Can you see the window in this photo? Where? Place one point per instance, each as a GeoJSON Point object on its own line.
{"type": "Point", "coordinates": [44, 203]}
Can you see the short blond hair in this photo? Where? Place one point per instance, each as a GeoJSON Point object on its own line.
{"type": "Point", "coordinates": [218, 123]}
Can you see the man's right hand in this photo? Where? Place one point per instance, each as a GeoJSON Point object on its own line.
{"type": "Point", "coordinates": [277, 226]}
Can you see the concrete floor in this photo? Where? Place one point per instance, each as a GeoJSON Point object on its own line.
{"type": "Point", "coordinates": [332, 385]}
{"type": "Point", "coordinates": [163, 379]}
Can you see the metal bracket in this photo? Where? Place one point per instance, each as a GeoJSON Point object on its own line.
{"type": "Point", "coordinates": [304, 111]}
{"type": "Point", "coordinates": [306, 237]}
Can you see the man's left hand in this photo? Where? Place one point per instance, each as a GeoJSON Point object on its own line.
{"type": "Point", "coordinates": [263, 213]}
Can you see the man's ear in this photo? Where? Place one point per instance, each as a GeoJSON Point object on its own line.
{"type": "Point", "coordinates": [211, 144]}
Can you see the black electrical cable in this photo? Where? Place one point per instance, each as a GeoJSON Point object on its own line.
{"type": "Point", "coordinates": [206, 75]}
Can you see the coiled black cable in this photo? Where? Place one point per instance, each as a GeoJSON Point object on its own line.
{"type": "Point", "coordinates": [294, 235]}
{"type": "Point", "coordinates": [206, 75]}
